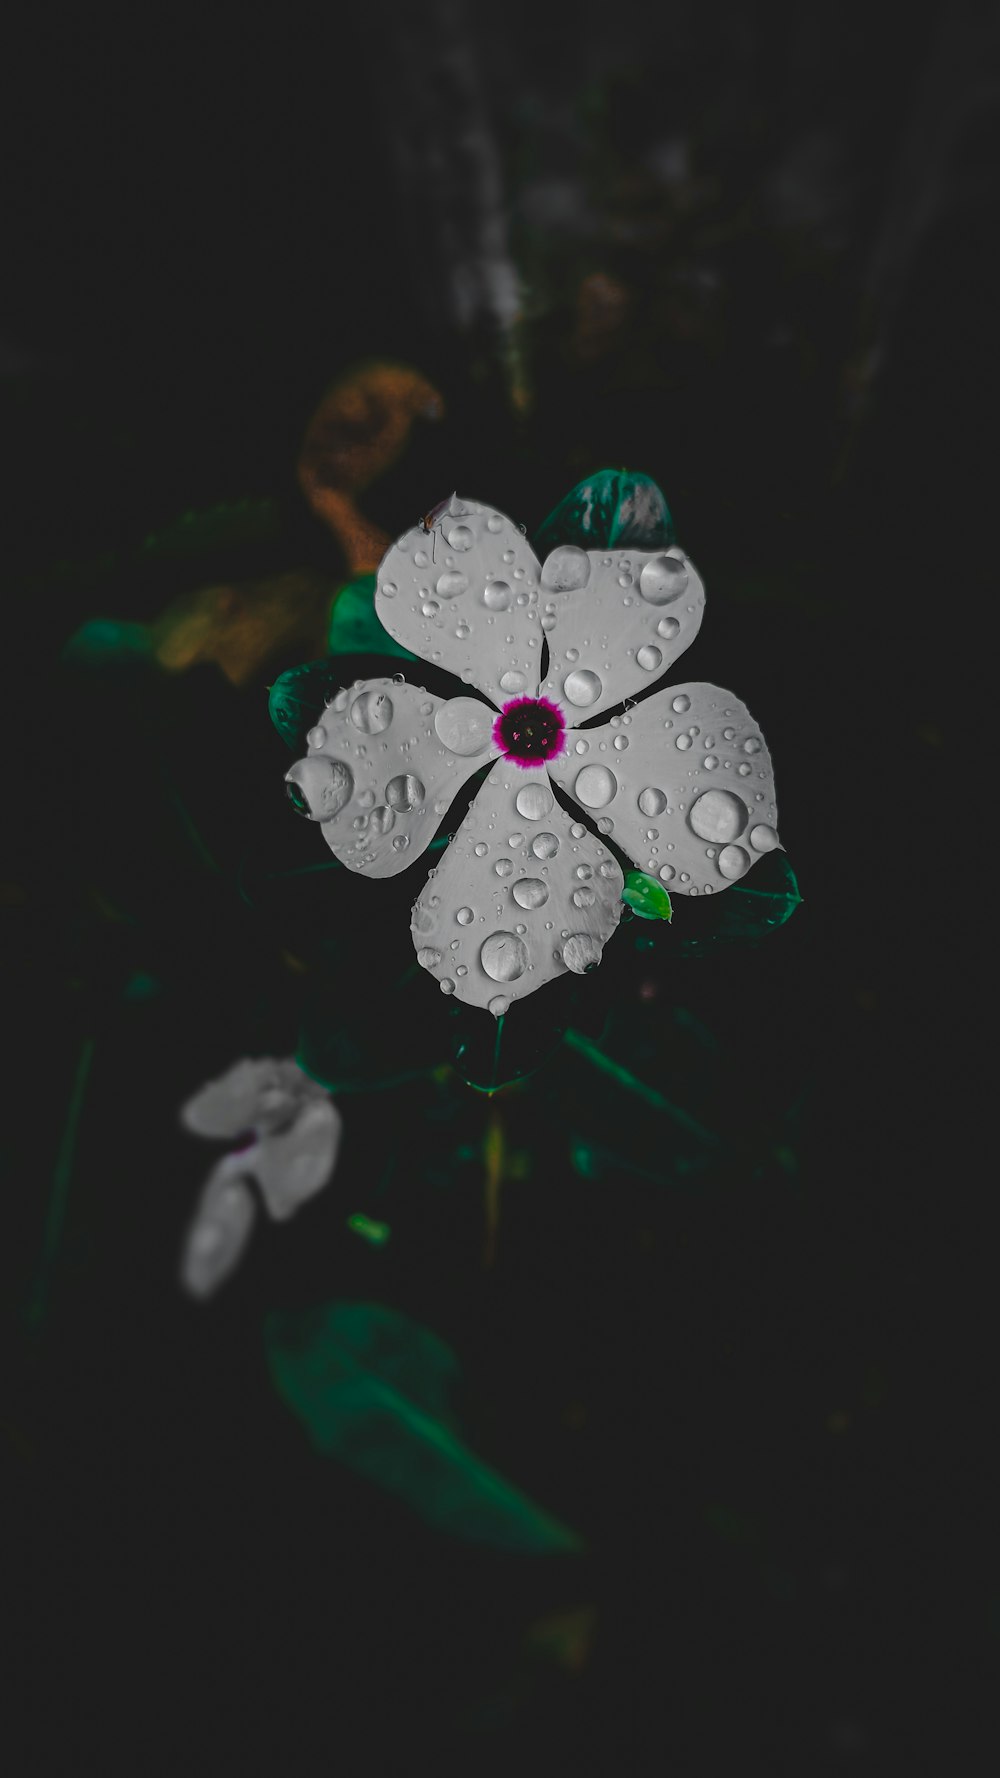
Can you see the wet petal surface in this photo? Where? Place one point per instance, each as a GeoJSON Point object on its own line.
{"type": "Point", "coordinates": [465, 596]}
{"type": "Point", "coordinates": [294, 1165]}
{"type": "Point", "coordinates": [684, 783]}
{"type": "Point", "coordinates": [383, 766]}
{"type": "Point", "coordinates": [522, 895]}
{"type": "Point", "coordinates": [218, 1232]}
{"type": "Point", "coordinates": [615, 620]}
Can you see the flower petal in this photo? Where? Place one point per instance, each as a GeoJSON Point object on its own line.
{"type": "Point", "coordinates": [466, 597]}
{"type": "Point", "coordinates": [683, 784]}
{"type": "Point", "coordinates": [219, 1230]}
{"type": "Point", "coordinates": [243, 1098]}
{"type": "Point", "coordinates": [521, 895]}
{"type": "Point", "coordinates": [615, 620]}
{"type": "Point", "coordinates": [383, 767]}
{"type": "Point", "coordinates": [294, 1166]}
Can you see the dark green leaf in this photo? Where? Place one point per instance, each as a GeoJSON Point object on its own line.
{"type": "Point", "coordinates": [748, 911]}
{"type": "Point", "coordinates": [609, 509]}
{"type": "Point", "coordinates": [223, 527]}
{"type": "Point", "coordinates": [300, 696]}
{"type": "Point", "coordinates": [371, 1387]}
{"type": "Point", "coordinates": [108, 642]}
{"type": "Point", "coordinates": [354, 627]}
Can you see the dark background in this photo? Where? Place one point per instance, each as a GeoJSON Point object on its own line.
{"type": "Point", "coordinates": [753, 247]}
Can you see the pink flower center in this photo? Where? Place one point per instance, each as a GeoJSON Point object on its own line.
{"type": "Point", "coordinates": [529, 731]}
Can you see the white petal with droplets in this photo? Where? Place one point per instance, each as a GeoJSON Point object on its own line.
{"type": "Point", "coordinates": [693, 797]}
{"type": "Point", "coordinates": [515, 901]}
{"type": "Point", "coordinates": [219, 1230]}
{"type": "Point", "coordinates": [465, 596]}
{"type": "Point", "coordinates": [386, 737]}
{"type": "Point", "coordinates": [615, 621]}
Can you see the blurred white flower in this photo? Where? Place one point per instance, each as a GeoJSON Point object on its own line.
{"type": "Point", "coordinates": [292, 1135]}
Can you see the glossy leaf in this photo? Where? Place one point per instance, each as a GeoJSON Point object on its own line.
{"type": "Point", "coordinates": [609, 509]}
{"type": "Point", "coordinates": [298, 698]}
{"type": "Point", "coordinates": [354, 627]}
{"type": "Point", "coordinates": [747, 912]}
{"type": "Point", "coordinates": [646, 896]}
{"type": "Point", "coordinates": [372, 1387]}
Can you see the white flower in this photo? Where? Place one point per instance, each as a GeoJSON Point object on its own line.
{"type": "Point", "coordinates": [682, 781]}
{"type": "Point", "coordinates": [294, 1130]}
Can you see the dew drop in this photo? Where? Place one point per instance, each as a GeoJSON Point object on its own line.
{"type": "Point", "coordinates": [446, 985]}
{"type": "Point", "coordinates": [681, 703]}
{"type": "Point", "coordinates": [404, 793]}
{"type": "Point", "coordinates": [545, 845]}
{"type": "Point", "coordinates": [450, 584]}
{"type": "Point", "coordinates": [530, 892]}
{"type": "Point", "coordinates": [667, 872]}
{"type": "Point", "coordinates": [533, 801]}
{"type": "Point", "coordinates": [566, 568]}
{"type": "Point", "coordinates": [663, 580]}
{"type": "Point", "coordinates": [743, 769]}
{"type": "Point", "coordinates": [503, 867]}
{"type": "Point", "coordinates": [464, 725]}
{"type": "Point", "coordinates": [605, 825]}
{"type": "Point", "coordinates": [504, 956]}
{"type": "Point", "coordinates": [582, 687]}
{"type": "Point", "coordinates": [683, 742]}
{"type": "Point", "coordinates": [763, 839]}
{"type": "Point", "coordinates": [465, 916]}
{"type": "Point", "coordinates": [316, 737]}
{"type": "Point", "coordinates": [460, 538]}
{"type": "Point", "coordinates": [498, 1006]}
{"type": "Point", "coordinates": [718, 815]}
{"type": "Point", "coordinates": [753, 745]}
{"type": "Point", "coordinates": [581, 746]}
{"type": "Point", "coordinates": [733, 861]}
{"type": "Point", "coordinates": [710, 762]}
{"type": "Point", "coordinates": [582, 953]}
{"type": "Point", "coordinates": [428, 957]}
{"type": "Point", "coordinates": [482, 849]}
{"type": "Point", "coordinates": [595, 786]}
{"type": "Point", "coordinates": [668, 628]}
{"type": "Point", "coordinates": [513, 682]}
{"type": "Point", "coordinates": [497, 596]}
{"type": "Point", "coordinates": [372, 712]}
{"type": "Point", "coordinates": [381, 819]}
{"type": "Point", "coordinates": [651, 800]}
{"type": "Point", "coordinates": [430, 608]}
{"type": "Point", "coordinates": [319, 787]}
{"type": "Point", "coordinates": [649, 658]}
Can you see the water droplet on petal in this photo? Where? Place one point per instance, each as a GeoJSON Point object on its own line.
{"type": "Point", "coordinates": [319, 787]}
{"type": "Point", "coordinates": [533, 801]}
{"type": "Point", "coordinates": [649, 658]}
{"type": "Point", "coordinates": [584, 898]}
{"type": "Point", "coordinates": [513, 682]}
{"type": "Point", "coordinates": [372, 712]}
{"type": "Point", "coordinates": [504, 956]}
{"type": "Point", "coordinates": [464, 725]}
{"type": "Point", "coordinates": [465, 916]}
{"type": "Point", "coordinates": [460, 537]}
{"type": "Point", "coordinates": [681, 703]}
{"type": "Point", "coordinates": [733, 861]}
{"type": "Point", "coordinates": [668, 628]}
{"type": "Point", "coordinates": [566, 568]}
{"type": "Point", "coordinates": [683, 742]}
{"type": "Point", "coordinates": [428, 957]}
{"type": "Point", "coordinates": [763, 839]}
{"type": "Point", "coordinates": [404, 793]}
{"type": "Point", "coordinates": [753, 745]}
{"type": "Point", "coordinates": [498, 1006]}
{"type": "Point", "coordinates": [482, 849]}
{"type": "Point", "coordinates": [545, 845]}
{"type": "Point", "coordinates": [450, 584]}
{"type": "Point", "coordinates": [663, 580]}
{"type": "Point", "coordinates": [652, 801]}
{"type": "Point", "coordinates": [530, 892]}
{"type": "Point", "coordinates": [316, 737]}
{"type": "Point", "coordinates": [582, 953]}
{"type": "Point", "coordinates": [503, 867]}
{"type": "Point", "coordinates": [381, 819]}
{"type": "Point", "coordinates": [497, 596]}
{"type": "Point", "coordinates": [446, 985]}
{"type": "Point", "coordinates": [582, 687]}
{"type": "Point", "coordinates": [718, 815]}
{"type": "Point", "coordinates": [595, 786]}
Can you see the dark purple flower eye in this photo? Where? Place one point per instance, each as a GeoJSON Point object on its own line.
{"type": "Point", "coordinates": [529, 731]}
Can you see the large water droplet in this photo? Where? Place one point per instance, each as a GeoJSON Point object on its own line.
{"type": "Point", "coordinates": [530, 892]}
{"type": "Point", "coordinates": [595, 786]}
{"type": "Point", "coordinates": [504, 956]}
{"type": "Point", "coordinates": [404, 792]}
{"type": "Point", "coordinates": [464, 725]}
{"type": "Point", "coordinates": [446, 985]}
{"type": "Point", "coordinates": [503, 867]}
{"type": "Point", "coordinates": [494, 523]}
{"type": "Point", "coordinates": [733, 861]}
{"type": "Point", "coordinates": [513, 682]}
{"type": "Point", "coordinates": [323, 787]}
{"type": "Point", "coordinates": [381, 819]}
{"type": "Point", "coordinates": [460, 537]}
{"type": "Point", "coordinates": [450, 584]}
{"type": "Point", "coordinates": [482, 849]}
{"type": "Point", "coordinates": [652, 801]}
{"type": "Point", "coordinates": [465, 916]}
{"type": "Point", "coordinates": [372, 712]}
{"type": "Point", "coordinates": [582, 687]}
{"type": "Point", "coordinates": [566, 569]}
{"type": "Point", "coordinates": [545, 845]}
{"type": "Point", "coordinates": [316, 737]}
{"type": "Point", "coordinates": [497, 595]}
{"type": "Point", "coordinates": [663, 580]}
{"type": "Point", "coordinates": [428, 957]}
{"type": "Point", "coordinates": [681, 703]}
{"type": "Point", "coordinates": [533, 801]}
{"type": "Point", "coordinates": [668, 628]}
{"type": "Point", "coordinates": [649, 658]}
{"type": "Point", "coordinates": [753, 745]}
{"type": "Point", "coordinates": [763, 839]}
{"type": "Point", "coordinates": [667, 871]}
{"type": "Point", "coordinates": [582, 953]}
{"type": "Point", "coordinates": [718, 815]}
{"type": "Point", "coordinates": [584, 898]}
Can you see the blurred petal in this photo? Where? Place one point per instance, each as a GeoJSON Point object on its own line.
{"type": "Point", "coordinates": [616, 620]}
{"type": "Point", "coordinates": [293, 1166]}
{"type": "Point", "coordinates": [684, 783]}
{"type": "Point", "coordinates": [383, 767]}
{"type": "Point", "coordinates": [230, 1105]}
{"type": "Point", "coordinates": [466, 597]}
{"type": "Point", "coordinates": [521, 895]}
{"type": "Point", "coordinates": [219, 1231]}
{"type": "Point", "coordinates": [243, 626]}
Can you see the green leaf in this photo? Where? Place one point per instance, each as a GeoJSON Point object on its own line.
{"type": "Point", "coordinates": [609, 509]}
{"type": "Point", "coordinates": [372, 1388]}
{"type": "Point", "coordinates": [108, 642]}
{"type": "Point", "coordinates": [646, 896]}
{"type": "Point", "coordinates": [299, 697]}
{"type": "Point", "coordinates": [354, 627]}
{"type": "Point", "coordinates": [223, 527]}
{"type": "Point", "coordinates": [748, 911]}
